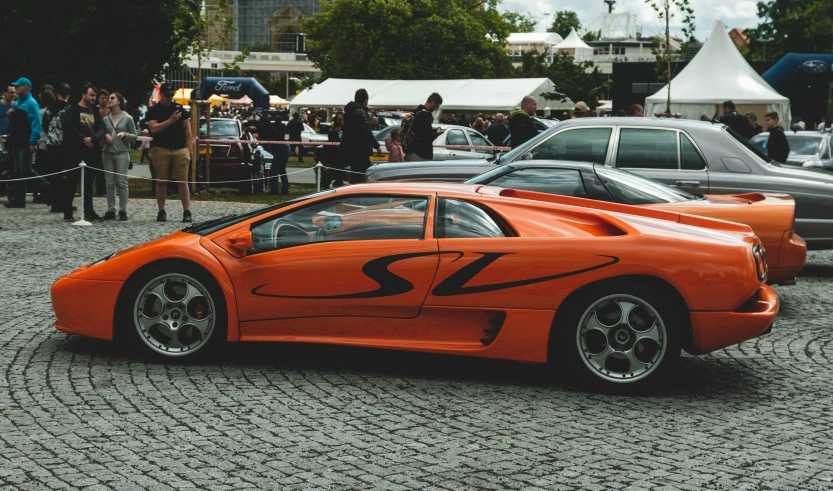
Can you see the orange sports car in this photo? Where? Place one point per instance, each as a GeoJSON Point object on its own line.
{"type": "Point", "coordinates": [444, 268]}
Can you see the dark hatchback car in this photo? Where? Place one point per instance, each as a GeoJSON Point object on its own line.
{"type": "Point", "coordinates": [235, 160]}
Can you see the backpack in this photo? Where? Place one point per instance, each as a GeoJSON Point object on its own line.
{"type": "Point", "coordinates": [55, 131]}
{"type": "Point", "coordinates": [406, 131]}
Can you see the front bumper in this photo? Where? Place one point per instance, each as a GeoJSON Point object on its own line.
{"type": "Point", "coordinates": [85, 307]}
{"type": "Point", "coordinates": [715, 330]}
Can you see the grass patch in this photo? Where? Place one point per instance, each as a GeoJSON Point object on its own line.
{"type": "Point", "coordinates": [307, 161]}
{"type": "Point", "coordinates": [140, 188]}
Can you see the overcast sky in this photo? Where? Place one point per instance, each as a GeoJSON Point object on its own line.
{"type": "Point", "coordinates": [739, 13]}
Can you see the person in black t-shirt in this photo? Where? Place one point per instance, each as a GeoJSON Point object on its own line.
{"type": "Point", "coordinates": [169, 124]}
{"type": "Point", "coordinates": [82, 128]}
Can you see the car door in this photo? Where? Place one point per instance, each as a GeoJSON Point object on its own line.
{"type": "Point", "coordinates": [345, 256]}
{"type": "Point", "coordinates": [479, 140]}
{"type": "Point", "coordinates": [663, 154]}
{"type": "Point", "coordinates": [453, 136]}
{"type": "Point", "coordinates": [483, 265]}
{"type": "Point", "coordinates": [588, 144]}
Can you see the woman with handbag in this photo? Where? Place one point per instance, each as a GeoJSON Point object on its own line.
{"type": "Point", "coordinates": [119, 132]}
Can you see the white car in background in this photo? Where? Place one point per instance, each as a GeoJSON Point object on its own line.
{"type": "Point", "coordinates": [451, 135]}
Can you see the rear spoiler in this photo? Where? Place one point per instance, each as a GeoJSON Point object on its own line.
{"type": "Point", "coordinates": [670, 216]}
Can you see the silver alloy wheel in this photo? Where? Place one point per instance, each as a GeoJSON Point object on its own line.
{"type": "Point", "coordinates": [174, 314]}
{"type": "Point", "coordinates": [621, 338]}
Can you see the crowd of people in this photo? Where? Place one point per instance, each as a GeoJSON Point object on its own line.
{"type": "Point", "coordinates": [47, 135]}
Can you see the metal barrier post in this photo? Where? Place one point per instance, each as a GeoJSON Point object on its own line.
{"type": "Point", "coordinates": [82, 222]}
{"type": "Point", "coordinates": [318, 168]}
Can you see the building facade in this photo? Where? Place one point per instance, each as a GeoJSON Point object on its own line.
{"type": "Point", "coordinates": [278, 23]}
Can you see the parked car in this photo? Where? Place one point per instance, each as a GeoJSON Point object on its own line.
{"type": "Point", "coordinates": [614, 297]}
{"type": "Point", "coordinates": [771, 216]}
{"type": "Point", "coordinates": [234, 161]}
{"type": "Point", "coordinates": [698, 157]}
{"type": "Point", "coordinates": [451, 135]}
{"type": "Point", "coordinates": [310, 135]}
{"type": "Point", "coordinates": [807, 148]}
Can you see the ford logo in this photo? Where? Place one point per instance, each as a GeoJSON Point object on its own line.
{"type": "Point", "coordinates": [814, 66]}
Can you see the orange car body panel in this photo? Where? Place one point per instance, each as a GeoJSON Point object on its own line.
{"type": "Point", "coordinates": [491, 297]}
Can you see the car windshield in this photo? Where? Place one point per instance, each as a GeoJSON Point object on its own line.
{"type": "Point", "coordinates": [637, 190]}
{"type": "Point", "coordinates": [805, 144]}
{"type": "Point", "coordinates": [221, 128]}
{"type": "Point", "coordinates": [749, 146]}
{"type": "Point", "coordinates": [211, 226]}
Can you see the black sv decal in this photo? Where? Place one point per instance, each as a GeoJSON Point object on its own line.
{"type": "Point", "coordinates": [391, 284]}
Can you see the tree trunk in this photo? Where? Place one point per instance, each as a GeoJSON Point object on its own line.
{"type": "Point", "coordinates": [668, 55]}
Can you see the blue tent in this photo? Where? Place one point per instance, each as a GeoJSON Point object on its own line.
{"type": "Point", "coordinates": [235, 88]}
{"type": "Point", "coordinates": [793, 65]}
{"type": "Point", "coordinates": [807, 79]}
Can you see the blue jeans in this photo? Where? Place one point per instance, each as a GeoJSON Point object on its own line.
{"type": "Point", "coordinates": [22, 167]}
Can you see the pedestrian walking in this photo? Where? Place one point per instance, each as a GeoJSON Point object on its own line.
{"type": "Point", "coordinates": [418, 132]}
{"type": "Point", "coordinates": [777, 146]}
{"type": "Point", "coordinates": [22, 143]}
{"type": "Point", "coordinates": [357, 141]}
{"type": "Point", "coordinates": [82, 133]}
{"type": "Point", "coordinates": [521, 126]}
{"type": "Point", "coordinates": [52, 155]}
{"type": "Point", "coordinates": [119, 133]}
{"type": "Point", "coordinates": [275, 131]}
{"type": "Point", "coordinates": [498, 131]}
{"type": "Point", "coordinates": [170, 155]}
{"type": "Point", "coordinates": [295, 128]}
{"type": "Point", "coordinates": [735, 120]}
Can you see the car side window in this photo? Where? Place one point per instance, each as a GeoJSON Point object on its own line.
{"type": "Point", "coordinates": [564, 182]}
{"type": "Point", "coordinates": [690, 158]}
{"type": "Point", "coordinates": [351, 218]}
{"type": "Point", "coordinates": [584, 144]}
{"type": "Point", "coordinates": [457, 219]}
{"type": "Point", "coordinates": [478, 140]}
{"type": "Point", "coordinates": [456, 137]}
{"type": "Point", "coordinates": [647, 149]}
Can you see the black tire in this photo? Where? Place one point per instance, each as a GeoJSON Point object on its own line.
{"type": "Point", "coordinates": [127, 330]}
{"type": "Point", "coordinates": [576, 346]}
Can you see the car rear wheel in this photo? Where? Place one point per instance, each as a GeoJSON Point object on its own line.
{"type": "Point", "coordinates": [621, 334]}
{"type": "Point", "coordinates": [175, 312]}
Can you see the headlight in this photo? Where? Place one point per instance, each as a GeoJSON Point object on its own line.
{"type": "Point", "coordinates": [759, 255]}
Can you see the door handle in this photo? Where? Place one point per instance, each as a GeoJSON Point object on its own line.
{"type": "Point", "coordinates": [451, 154]}
{"type": "Point", "coordinates": [694, 184]}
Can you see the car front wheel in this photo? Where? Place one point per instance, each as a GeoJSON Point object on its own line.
{"type": "Point", "coordinates": [175, 314]}
{"type": "Point", "coordinates": [621, 335]}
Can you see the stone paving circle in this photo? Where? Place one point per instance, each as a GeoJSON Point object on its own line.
{"type": "Point", "coordinates": [77, 413]}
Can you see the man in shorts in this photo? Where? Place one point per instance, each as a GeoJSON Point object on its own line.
{"type": "Point", "coordinates": [170, 155]}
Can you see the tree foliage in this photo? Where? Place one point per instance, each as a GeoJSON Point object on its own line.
{"type": "Point", "coordinates": [667, 10]}
{"type": "Point", "coordinates": [563, 22]}
{"type": "Point", "coordinates": [402, 39]}
{"type": "Point", "coordinates": [798, 26]}
{"type": "Point", "coordinates": [574, 81]}
{"type": "Point", "coordinates": [120, 46]}
{"type": "Point", "coordinates": [518, 22]}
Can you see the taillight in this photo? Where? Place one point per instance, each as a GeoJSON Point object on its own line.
{"type": "Point", "coordinates": [759, 254]}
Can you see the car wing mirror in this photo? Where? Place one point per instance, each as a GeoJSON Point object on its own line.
{"type": "Point", "coordinates": [241, 243]}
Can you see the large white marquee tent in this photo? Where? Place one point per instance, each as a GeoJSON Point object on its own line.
{"type": "Point", "coordinates": [718, 73]}
{"type": "Point", "coordinates": [458, 95]}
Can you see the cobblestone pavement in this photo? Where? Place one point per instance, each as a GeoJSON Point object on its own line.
{"type": "Point", "coordinates": [78, 413]}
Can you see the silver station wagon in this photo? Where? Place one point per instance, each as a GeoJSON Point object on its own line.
{"type": "Point", "coordinates": [698, 157]}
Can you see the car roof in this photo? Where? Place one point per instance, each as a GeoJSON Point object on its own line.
{"type": "Point", "coordinates": [647, 122]}
{"type": "Point", "coordinates": [410, 187]}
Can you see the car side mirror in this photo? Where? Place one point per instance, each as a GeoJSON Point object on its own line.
{"type": "Point", "coordinates": [241, 243]}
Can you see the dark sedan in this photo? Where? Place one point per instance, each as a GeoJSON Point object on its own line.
{"type": "Point", "coordinates": [232, 160]}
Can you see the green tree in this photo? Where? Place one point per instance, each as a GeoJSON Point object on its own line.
{"type": "Point", "coordinates": [667, 10]}
{"type": "Point", "coordinates": [518, 22]}
{"type": "Point", "coordinates": [573, 81]}
{"type": "Point", "coordinates": [58, 41]}
{"type": "Point", "coordinates": [426, 39]}
{"type": "Point", "coordinates": [799, 26]}
{"type": "Point", "coordinates": [563, 22]}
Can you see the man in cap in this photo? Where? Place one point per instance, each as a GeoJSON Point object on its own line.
{"type": "Point", "coordinates": [580, 111]}
{"type": "Point", "coordinates": [22, 142]}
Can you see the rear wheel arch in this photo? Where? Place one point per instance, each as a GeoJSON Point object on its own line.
{"type": "Point", "coordinates": [660, 285]}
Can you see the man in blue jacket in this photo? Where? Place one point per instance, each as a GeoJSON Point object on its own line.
{"type": "Point", "coordinates": [22, 142]}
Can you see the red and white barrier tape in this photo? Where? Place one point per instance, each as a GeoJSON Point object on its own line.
{"type": "Point", "coordinates": [332, 144]}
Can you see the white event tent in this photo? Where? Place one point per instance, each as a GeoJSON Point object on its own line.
{"type": "Point", "coordinates": [573, 45]}
{"type": "Point", "coordinates": [458, 95]}
{"type": "Point", "coordinates": [718, 73]}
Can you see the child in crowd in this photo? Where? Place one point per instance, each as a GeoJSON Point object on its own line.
{"type": "Point", "coordinates": [394, 146]}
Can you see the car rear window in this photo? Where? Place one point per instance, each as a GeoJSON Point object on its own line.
{"type": "Point", "coordinates": [752, 148]}
{"type": "Point", "coordinates": [805, 144]}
